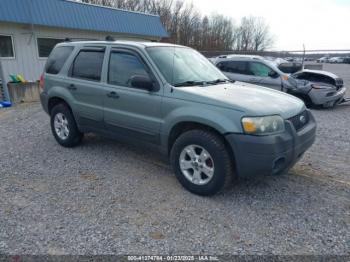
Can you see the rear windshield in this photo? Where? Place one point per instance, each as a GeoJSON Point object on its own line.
{"type": "Point", "coordinates": [57, 59]}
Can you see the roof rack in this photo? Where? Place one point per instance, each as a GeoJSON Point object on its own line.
{"type": "Point", "coordinates": [110, 38]}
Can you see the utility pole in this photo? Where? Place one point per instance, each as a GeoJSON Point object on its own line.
{"type": "Point", "coordinates": [304, 53]}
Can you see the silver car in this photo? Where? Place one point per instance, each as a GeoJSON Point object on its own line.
{"type": "Point", "coordinates": [314, 87]}
{"type": "Point", "coordinates": [252, 69]}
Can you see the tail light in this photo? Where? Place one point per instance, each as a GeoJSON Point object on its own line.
{"type": "Point", "coordinates": [42, 82]}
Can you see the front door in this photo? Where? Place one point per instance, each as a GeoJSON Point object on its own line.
{"type": "Point", "coordinates": [265, 76]}
{"type": "Point", "coordinates": [129, 111]}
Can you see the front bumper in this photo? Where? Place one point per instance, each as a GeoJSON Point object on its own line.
{"type": "Point", "coordinates": [322, 97]}
{"type": "Point", "coordinates": [273, 154]}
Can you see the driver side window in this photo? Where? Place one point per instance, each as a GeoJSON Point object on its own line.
{"type": "Point", "coordinates": [122, 67]}
{"type": "Point", "coordinates": [259, 69]}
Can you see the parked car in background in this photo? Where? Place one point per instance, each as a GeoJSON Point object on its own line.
{"type": "Point", "coordinates": [252, 69]}
{"type": "Point", "coordinates": [288, 67]}
{"type": "Point", "coordinates": [314, 87]}
{"type": "Point", "coordinates": [309, 59]}
{"type": "Point", "coordinates": [347, 60]}
{"type": "Point", "coordinates": [173, 99]}
{"type": "Point", "coordinates": [336, 60]}
{"type": "Point", "coordinates": [324, 59]}
{"type": "Point", "coordinates": [289, 59]}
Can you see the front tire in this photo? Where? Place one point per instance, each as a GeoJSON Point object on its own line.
{"type": "Point", "coordinates": [201, 162]}
{"type": "Point", "coordinates": [64, 127]}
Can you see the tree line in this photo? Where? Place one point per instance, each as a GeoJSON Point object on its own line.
{"type": "Point", "coordinates": [187, 26]}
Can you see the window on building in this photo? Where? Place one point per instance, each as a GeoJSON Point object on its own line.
{"type": "Point", "coordinates": [122, 67]}
{"type": "Point", "coordinates": [46, 45]}
{"type": "Point", "coordinates": [57, 59]}
{"type": "Point", "coordinates": [88, 65]}
{"type": "Point", "coordinates": [6, 46]}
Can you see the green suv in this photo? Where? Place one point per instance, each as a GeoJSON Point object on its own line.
{"type": "Point", "coordinates": [172, 98]}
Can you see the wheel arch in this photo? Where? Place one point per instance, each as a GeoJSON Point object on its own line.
{"type": "Point", "coordinates": [53, 101]}
{"type": "Point", "coordinates": [184, 126]}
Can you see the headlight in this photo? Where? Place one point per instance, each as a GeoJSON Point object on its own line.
{"type": "Point", "coordinates": [315, 86]}
{"type": "Point", "coordinates": [263, 125]}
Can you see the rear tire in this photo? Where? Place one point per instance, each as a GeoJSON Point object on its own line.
{"type": "Point", "coordinates": [212, 156]}
{"type": "Point", "coordinates": [64, 127]}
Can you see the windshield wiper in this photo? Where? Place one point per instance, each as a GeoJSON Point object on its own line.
{"type": "Point", "coordinates": [218, 81]}
{"type": "Point", "coordinates": [202, 83]}
{"type": "Point", "coordinates": [190, 83]}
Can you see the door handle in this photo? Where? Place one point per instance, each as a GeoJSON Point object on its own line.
{"type": "Point", "coordinates": [72, 87]}
{"type": "Point", "coordinates": [113, 95]}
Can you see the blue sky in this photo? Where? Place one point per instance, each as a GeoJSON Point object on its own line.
{"type": "Point", "coordinates": [319, 24]}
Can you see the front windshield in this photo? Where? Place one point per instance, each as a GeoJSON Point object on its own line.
{"type": "Point", "coordinates": [181, 65]}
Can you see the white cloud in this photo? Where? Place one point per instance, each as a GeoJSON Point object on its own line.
{"type": "Point", "coordinates": [319, 24]}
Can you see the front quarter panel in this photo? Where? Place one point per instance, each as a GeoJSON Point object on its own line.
{"type": "Point", "coordinates": [177, 111]}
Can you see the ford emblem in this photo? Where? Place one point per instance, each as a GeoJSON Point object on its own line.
{"type": "Point", "coordinates": [302, 119]}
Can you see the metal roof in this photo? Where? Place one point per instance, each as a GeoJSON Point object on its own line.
{"type": "Point", "coordinates": [75, 15]}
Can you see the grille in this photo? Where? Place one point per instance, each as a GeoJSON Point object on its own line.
{"type": "Point", "coordinates": [298, 122]}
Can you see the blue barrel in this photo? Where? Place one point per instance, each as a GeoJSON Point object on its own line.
{"type": "Point", "coordinates": [6, 103]}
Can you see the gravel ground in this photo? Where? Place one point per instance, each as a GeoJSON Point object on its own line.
{"type": "Point", "coordinates": [105, 197]}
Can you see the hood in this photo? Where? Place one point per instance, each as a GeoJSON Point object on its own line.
{"type": "Point", "coordinates": [251, 99]}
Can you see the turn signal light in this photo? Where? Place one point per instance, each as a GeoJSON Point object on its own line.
{"type": "Point", "coordinates": [249, 126]}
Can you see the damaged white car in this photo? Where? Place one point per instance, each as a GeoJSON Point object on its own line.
{"type": "Point", "coordinates": [316, 88]}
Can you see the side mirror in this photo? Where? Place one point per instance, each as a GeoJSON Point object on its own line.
{"type": "Point", "coordinates": [142, 82]}
{"type": "Point", "coordinates": [273, 74]}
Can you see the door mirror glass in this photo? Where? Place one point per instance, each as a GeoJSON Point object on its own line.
{"type": "Point", "coordinates": [273, 74]}
{"type": "Point", "coordinates": [142, 82]}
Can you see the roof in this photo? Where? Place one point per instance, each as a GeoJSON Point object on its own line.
{"type": "Point", "coordinates": [75, 15]}
{"type": "Point", "coordinates": [123, 42]}
{"type": "Point", "coordinates": [237, 56]}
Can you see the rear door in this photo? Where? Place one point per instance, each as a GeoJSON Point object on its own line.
{"type": "Point", "coordinates": [129, 111]}
{"type": "Point", "coordinates": [85, 86]}
{"type": "Point", "coordinates": [265, 75]}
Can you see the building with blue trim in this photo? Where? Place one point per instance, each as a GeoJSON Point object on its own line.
{"type": "Point", "coordinates": [29, 29]}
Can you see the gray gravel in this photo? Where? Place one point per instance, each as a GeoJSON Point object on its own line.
{"type": "Point", "coordinates": [105, 197]}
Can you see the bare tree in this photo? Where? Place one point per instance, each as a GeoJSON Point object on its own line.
{"type": "Point", "coordinates": [186, 26]}
{"type": "Point", "coordinates": [253, 34]}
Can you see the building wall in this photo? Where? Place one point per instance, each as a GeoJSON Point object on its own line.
{"type": "Point", "coordinates": [27, 61]}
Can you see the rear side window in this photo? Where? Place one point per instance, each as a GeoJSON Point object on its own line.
{"type": "Point", "coordinates": [88, 65]}
{"type": "Point", "coordinates": [57, 59]}
{"type": "Point", "coordinates": [236, 67]}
